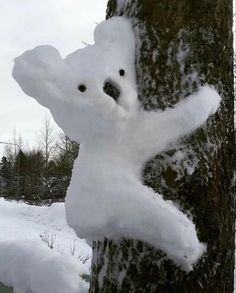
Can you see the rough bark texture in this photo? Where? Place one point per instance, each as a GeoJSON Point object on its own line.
{"type": "Point", "coordinates": [181, 44]}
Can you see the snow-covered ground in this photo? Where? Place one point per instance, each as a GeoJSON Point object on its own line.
{"type": "Point", "coordinates": [39, 252]}
{"type": "Point", "coordinates": [27, 262]}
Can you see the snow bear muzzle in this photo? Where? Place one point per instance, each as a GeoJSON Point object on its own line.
{"type": "Point", "coordinates": [111, 90]}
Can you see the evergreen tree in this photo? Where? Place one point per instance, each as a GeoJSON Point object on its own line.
{"type": "Point", "coordinates": [5, 168]}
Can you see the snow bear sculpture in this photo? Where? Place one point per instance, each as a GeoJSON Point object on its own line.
{"type": "Point", "coordinates": [106, 197]}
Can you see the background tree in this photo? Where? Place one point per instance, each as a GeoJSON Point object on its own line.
{"type": "Point", "coordinates": [5, 168]}
{"type": "Point", "coordinates": [47, 141]}
{"type": "Point", "coordinates": [28, 170]}
{"type": "Point", "coordinates": [11, 151]}
{"type": "Point", "coordinates": [47, 145]}
{"type": "Point", "coordinates": [41, 174]}
{"type": "Point", "coordinates": [67, 152]}
{"type": "Point", "coordinates": [62, 165]}
{"type": "Point", "coordinates": [5, 175]}
{"type": "Point", "coordinates": [181, 45]}
{"type": "Point", "coordinates": [34, 171]}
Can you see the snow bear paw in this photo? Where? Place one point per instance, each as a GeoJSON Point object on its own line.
{"type": "Point", "coordinates": [211, 99]}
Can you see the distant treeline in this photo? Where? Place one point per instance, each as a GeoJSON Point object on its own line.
{"type": "Point", "coordinates": [41, 174]}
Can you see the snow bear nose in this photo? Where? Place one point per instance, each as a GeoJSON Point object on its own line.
{"type": "Point", "coordinates": [111, 90]}
{"type": "Point", "coordinates": [122, 72]}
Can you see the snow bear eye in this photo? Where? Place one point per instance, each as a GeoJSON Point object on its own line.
{"type": "Point", "coordinates": [121, 72]}
{"type": "Point", "coordinates": [82, 88]}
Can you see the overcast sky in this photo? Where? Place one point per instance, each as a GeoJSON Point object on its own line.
{"type": "Point", "coordinates": [24, 25]}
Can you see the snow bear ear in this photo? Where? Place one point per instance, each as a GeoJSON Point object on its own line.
{"type": "Point", "coordinates": [114, 30]}
{"type": "Point", "coordinates": [37, 72]}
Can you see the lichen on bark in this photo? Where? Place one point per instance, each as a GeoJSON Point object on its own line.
{"type": "Point", "coordinates": [180, 46]}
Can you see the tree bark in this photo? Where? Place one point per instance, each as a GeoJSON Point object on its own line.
{"type": "Point", "coordinates": [181, 44]}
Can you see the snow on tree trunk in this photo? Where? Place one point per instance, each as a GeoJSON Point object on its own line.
{"type": "Point", "coordinates": [181, 45]}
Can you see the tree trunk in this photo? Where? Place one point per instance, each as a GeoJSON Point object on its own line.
{"type": "Point", "coordinates": [181, 44]}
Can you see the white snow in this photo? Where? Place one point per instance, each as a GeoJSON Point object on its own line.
{"type": "Point", "coordinates": [28, 264]}
{"type": "Point", "coordinates": [106, 197]}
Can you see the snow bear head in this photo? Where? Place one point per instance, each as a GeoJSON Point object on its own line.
{"type": "Point", "coordinates": [94, 85]}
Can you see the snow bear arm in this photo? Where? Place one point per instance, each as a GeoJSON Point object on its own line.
{"type": "Point", "coordinates": [37, 72]}
{"type": "Point", "coordinates": [158, 129]}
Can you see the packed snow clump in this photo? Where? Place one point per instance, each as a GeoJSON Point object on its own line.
{"type": "Point", "coordinates": [27, 266]}
{"type": "Point", "coordinates": [106, 197]}
{"type": "Point", "coordinates": [27, 262]}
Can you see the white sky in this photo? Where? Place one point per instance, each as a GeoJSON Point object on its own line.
{"type": "Point", "coordinates": [24, 25]}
